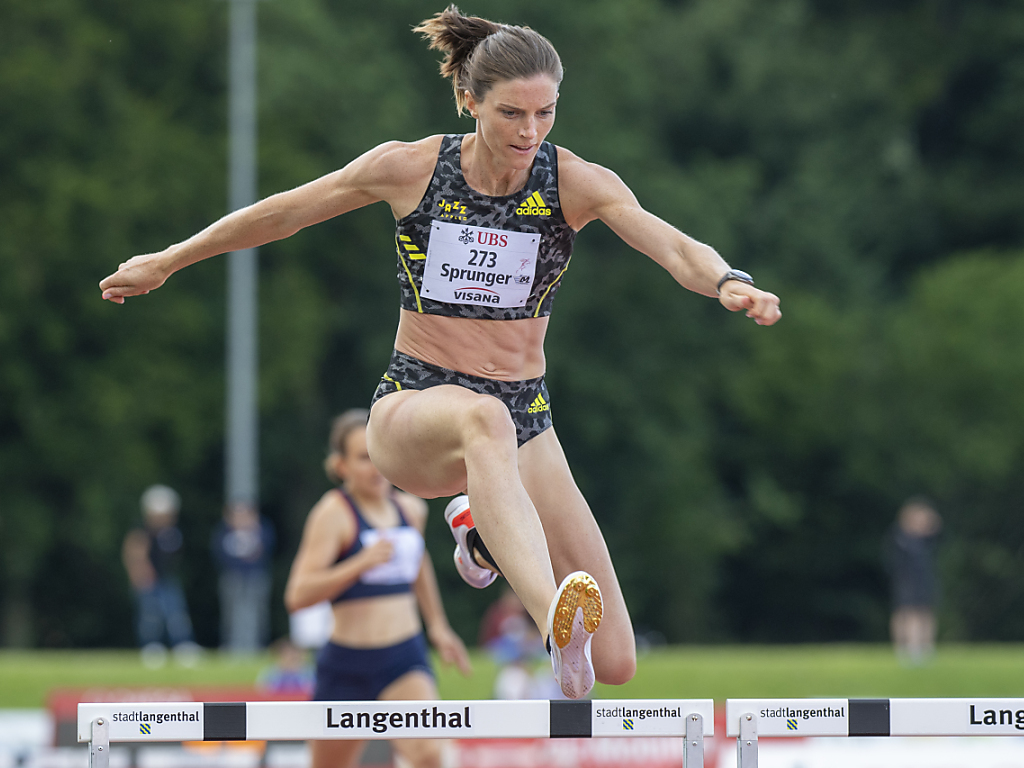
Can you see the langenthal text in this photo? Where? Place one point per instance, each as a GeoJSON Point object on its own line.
{"type": "Point", "coordinates": [805, 714]}
{"type": "Point", "coordinates": [381, 721]}
{"type": "Point", "coordinates": [639, 714]}
{"type": "Point", "coordinates": [155, 717]}
{"type": "Point", "coordinates": [1004, 717]}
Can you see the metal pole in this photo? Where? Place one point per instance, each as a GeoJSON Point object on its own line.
{"type": "Point", "coordinates": [242, 449]}
{"type": "Point", "coordinates": [746, 744]}
{"type": "Point", "coordinates": [693, 744]}
{"type": "Point", "coordinates": [99, 743]}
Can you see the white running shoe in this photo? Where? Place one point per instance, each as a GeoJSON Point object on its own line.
{"type": "Point", "coordinates": [460, 522]}
{"type": "Point", "coordinates": [574, 616]}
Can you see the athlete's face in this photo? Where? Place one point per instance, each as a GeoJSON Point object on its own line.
{"type": "Point", "coordinates": [515, 116]}
{"type": "Point", "coordinates": [360, 475]}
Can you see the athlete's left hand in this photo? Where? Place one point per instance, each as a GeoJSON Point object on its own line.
{"type": "Point", "coordinates": [450, 648]}
{"type": "Point", "coordinates": [762, 307]}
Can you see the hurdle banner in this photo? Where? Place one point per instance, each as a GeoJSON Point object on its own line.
{"type": "Point", "coordinates": [101, 724]}
{"type": "Point", "coordinates": [749, 719]}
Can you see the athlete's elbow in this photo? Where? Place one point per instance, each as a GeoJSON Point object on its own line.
{"type": "Point", "coordinates": [293, 599]}
{"type": "Point", "coordinates": [277, 222]}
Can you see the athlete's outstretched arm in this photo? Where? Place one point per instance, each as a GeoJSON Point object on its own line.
{"type": "Point", "coordinates": [383, 173]}
{"type": "Point", "coordinates": [588, 192]}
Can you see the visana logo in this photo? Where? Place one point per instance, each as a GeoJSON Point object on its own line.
{"type": "Point", "coordinates": [1003, 717]}
{"type": "Point", "coordinates": [534, 205]}
{"type": "Point", "coordinates": [481, 296]}
{"type": "Point", "coordinates": [380, 722]}
{"type": "Point", "coordinates": [453, 211]}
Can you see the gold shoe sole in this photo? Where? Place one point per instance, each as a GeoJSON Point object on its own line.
{"type": "Point", "coordinates": [580, 592]}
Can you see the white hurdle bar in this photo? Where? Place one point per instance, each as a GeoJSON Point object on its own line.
{"type": "Point", "coordinates": [102, 724]}
{"type": "Point", "coordinates": [748, 719]}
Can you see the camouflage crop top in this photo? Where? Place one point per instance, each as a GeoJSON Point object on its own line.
{"type": "Point", "coordinates": [465, 254]}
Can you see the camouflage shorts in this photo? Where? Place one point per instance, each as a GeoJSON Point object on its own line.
{"type": "Point", "coordinates": [527, 400]}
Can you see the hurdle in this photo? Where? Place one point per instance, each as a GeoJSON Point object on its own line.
{"type": "Point", "coordinates": [99, 725]}
{"type": "Point", "coordinates": [748, 719]}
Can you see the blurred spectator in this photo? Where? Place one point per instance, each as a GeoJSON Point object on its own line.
{"type": "Point", "coordinates": [292, 672]}
{"type": "Point", "coordinates": [242, 545]}
{"type": "Point", "coordinates": [910, 559]}
{"type": "Point", "coordinates": [152, 556]}
{"type": "Point", "coordinates": [492, 625]}
{"type": "Point", "coordinates": [511, 637]}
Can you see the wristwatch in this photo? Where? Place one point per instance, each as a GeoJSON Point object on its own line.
{"type": "Point", "coordinates": [733, 274]}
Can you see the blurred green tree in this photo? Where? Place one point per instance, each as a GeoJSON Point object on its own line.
{"type": "Point", "coordinates": [861, 159]}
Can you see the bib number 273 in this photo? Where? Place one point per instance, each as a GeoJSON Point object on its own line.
{"type": "Point", "coordinates": [487, 259]}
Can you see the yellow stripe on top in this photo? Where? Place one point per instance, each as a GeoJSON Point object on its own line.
{"type": "Point", "coordinates": [415, 254]}
{"type": "Point", "coordinates": [536, 200]}
{"type": "Point", "coordinates": [412, 283]}
{"type": "Point", "coordinates": [554, 282]}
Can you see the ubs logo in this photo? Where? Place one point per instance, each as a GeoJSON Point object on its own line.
{"type": "Point", "coordinates": [466, 236]}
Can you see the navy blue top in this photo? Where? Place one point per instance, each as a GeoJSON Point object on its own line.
{"type": "Point", "coordinates": [397, 575]}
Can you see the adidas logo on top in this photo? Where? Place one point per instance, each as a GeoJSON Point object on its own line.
{"type": "Point", "coordinates": [539, 405]}
{"type": "Point", "coordinates": [534, 205]}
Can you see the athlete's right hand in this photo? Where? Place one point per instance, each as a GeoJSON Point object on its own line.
{"type": "Point", "coordinates": [136, 277]}
{"type": "Point", "coordinates": [378, 553]}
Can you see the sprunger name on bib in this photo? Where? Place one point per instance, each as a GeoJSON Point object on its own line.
{"type": "Point", "coordinates": [479, 265]}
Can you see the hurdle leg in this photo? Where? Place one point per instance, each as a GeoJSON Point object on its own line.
{"type": "Point", "coordinates": [746, 744]}
{"type": "Point", "coordinates": [99, 744]}
{"type": "Point", "coordinates": [693, 746]}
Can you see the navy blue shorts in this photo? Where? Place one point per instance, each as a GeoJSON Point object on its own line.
{"type": "Point", "coordinates": [360, 674]}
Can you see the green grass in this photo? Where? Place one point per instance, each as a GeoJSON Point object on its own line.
{"type": "Point", "coordinates": [842, 671]}
{"type": "Point", "coordinates": [717, 672]}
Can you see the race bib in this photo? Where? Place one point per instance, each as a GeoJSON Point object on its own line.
{"type": "Point", "coordinates": [404, 565]}
{"type": "Point", "coordinates": [479, 265]}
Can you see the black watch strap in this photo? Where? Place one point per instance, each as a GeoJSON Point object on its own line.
{"type": "Point", "coordinates": [733, 274]}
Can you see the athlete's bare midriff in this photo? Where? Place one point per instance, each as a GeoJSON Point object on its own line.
{"type": "Point", "coordinates": [509, 350]}
{"type": "Point", "coordinates": [376, 622]}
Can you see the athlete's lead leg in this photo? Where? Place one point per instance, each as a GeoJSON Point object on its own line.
{"type": "Point", "coordinates": [439, 441]}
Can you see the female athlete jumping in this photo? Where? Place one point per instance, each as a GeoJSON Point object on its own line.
{"type": "Point", "coordinates": [485, 229]}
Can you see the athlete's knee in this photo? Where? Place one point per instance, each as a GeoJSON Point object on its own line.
{"type": "Point", "coordinates": [616, 669]}
{"type": "Point", "coordinates": [488, 418]}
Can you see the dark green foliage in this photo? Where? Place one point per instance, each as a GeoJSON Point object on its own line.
{"type": "Point", "coordinates": [861, 159]}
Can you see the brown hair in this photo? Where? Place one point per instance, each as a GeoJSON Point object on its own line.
{"type": "Point", "coordinates": [342, 426]}
{"type": "Point", "coordinates": [481, 53]}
